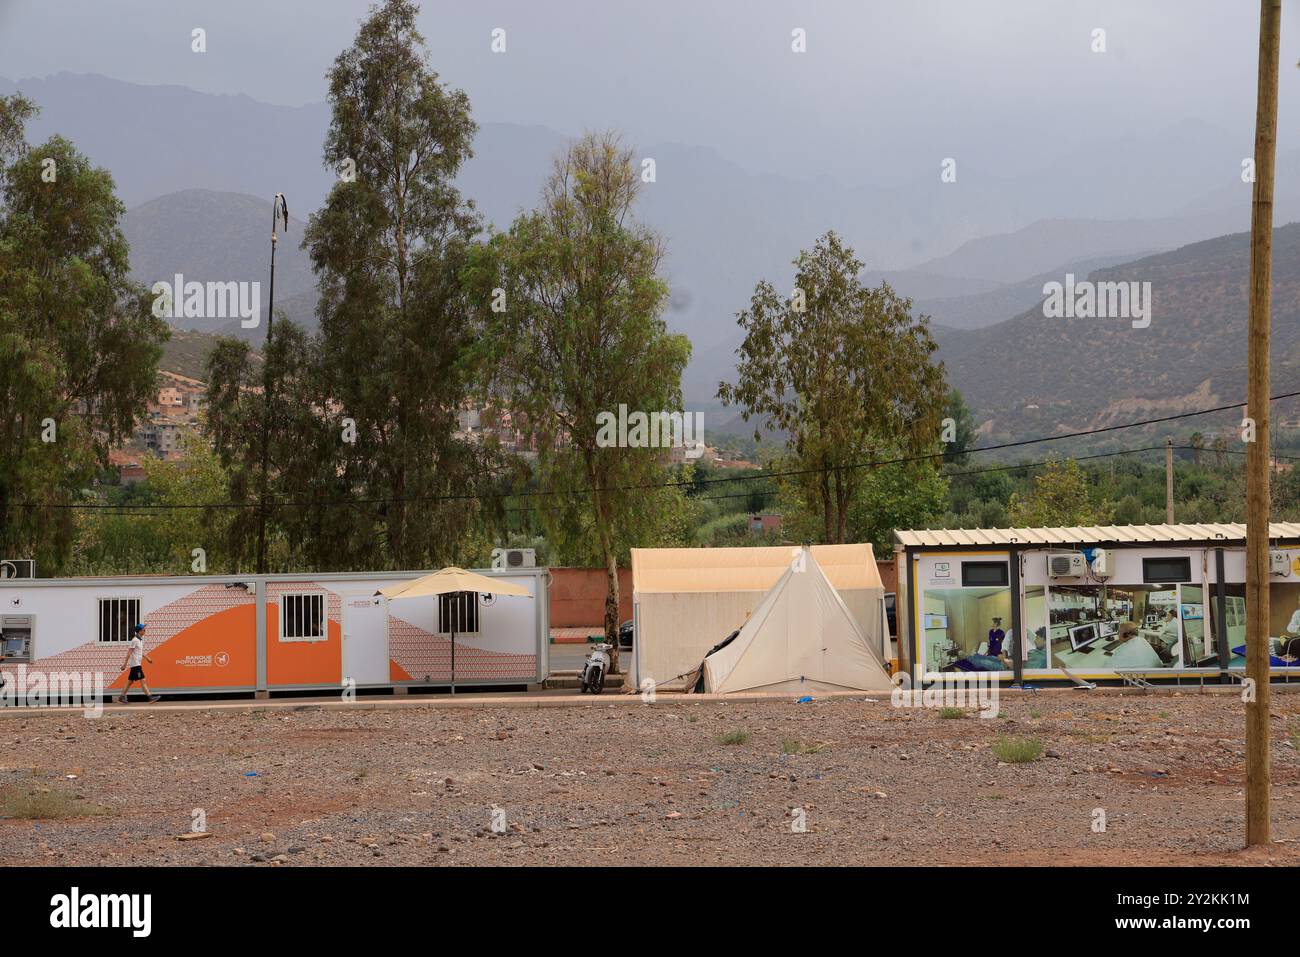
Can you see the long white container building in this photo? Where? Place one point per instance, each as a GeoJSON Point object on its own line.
{"type": "Point", "coordinates": [269, 633]}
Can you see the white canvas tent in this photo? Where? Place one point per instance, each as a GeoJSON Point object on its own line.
{"type": "Point", "coordinates": [686, 600]}
{"type": "Point", "coordinates": [801, 637]}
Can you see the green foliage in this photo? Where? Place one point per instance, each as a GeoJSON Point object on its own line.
{"type": "Point", "coordinates": [79, 344]}
{"type": "Point", "coordinates": [729, 529]}
{"type": "Point", "coordinates": [1017, 750]}
{"type": "Point", "coordinates": [895, 496]}
{"type": "Point", "coordinates": [304, 472]}
{"type": "Point", "coordinates": [655, 518]}
{"type": "Point", "coordinates": [884, 498]}
{"type": "Point", "coordinates": [1060, 497]}
{"type": "Point", "coordinates": [1285, 494]}
{"type": "Point", "coordinates": [15, 111]}
{"type": "Point", "coordinates": [558, 320]}
{"type": "Point", "coordinates": [387, 249]}
{"type": "Point", "coordinates": [843, 370]}
{"type": "Point", "coordinates": [187, 351]}
{"type": "Point", "coordinates": [25, 802]}
{"type": "Point", "coordinates": [745, 445]}
{"type": "Point", "coordinates": [956, 449]}
{"type": "Point", "coordinates": [1120, 491]}
{"type": "Point", "coordinates": [739, 736]}
{"type": "Point", "coordinates": [569, 306]}
{"type": "Point", "coordinates": [795, 746]}
{"type": "Point", "coordinates": [121, 542]}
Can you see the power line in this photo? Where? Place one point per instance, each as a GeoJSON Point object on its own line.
{"type": "Point", "coordinates": [1212, 450]}
{"type": "Point", "coordinates": [980, 471]}
{"type": "Point", "coordinates": [938, 455]}
{"type": "Point", "coordinates": [145, 509]}
{"type": "Point", "coordinates": [680, 483]}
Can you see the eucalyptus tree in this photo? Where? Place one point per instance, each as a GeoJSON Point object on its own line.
{"type": "Point", "coordinates": [79, 344]}
{"type": "Point", "coordinates": [570, 303]}
{"type": "Point", "coordinates": [844, 372]}
{"type": "Point", "coordinates": [367, 429]}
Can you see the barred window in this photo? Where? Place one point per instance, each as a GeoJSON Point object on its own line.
{"type": "Point", "coordinates": [118, 618]}
{"type": "Point", "coordinates": [302, 617]}
{"type": "Point", "coordinates": [458, 610]}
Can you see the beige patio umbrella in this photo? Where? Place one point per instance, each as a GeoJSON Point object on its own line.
{"type": "Point", "coordinates": [452, 581]}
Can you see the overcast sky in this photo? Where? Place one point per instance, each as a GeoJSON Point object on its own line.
{"type": "Point", "coordinates": [885, 85]}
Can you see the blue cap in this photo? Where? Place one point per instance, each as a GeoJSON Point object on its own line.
{"type": "Point", "coordinates": [139, 627]}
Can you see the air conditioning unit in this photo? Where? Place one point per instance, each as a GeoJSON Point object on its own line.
{"type": "Point", "coordinates": [1066, 565]}
{"type": "Point", "coordinates": [1279, 563]}
{"type": "Point", "coordinates": [17, 568]}
{"type": "Point", "coordinates": [1101, 563]}
{"type": "Point", "coordinates": [514, 558]}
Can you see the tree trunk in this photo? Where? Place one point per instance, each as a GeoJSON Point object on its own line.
{"type": "Point", "coordinates": [397, 530]}
{"type": "Point", "coordinates": [842, 495]}
{"type": "Point", "coordinates": [611, 572]}
{"type": "Point", "coordinates": [611, 609]}
{"type": "Point", "coordinates": [400, 537]}
{"type": "Point", "coordinates": [828, 513]}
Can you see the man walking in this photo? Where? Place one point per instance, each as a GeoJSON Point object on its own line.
{"type": "Point", "coordinates": [135, 658]}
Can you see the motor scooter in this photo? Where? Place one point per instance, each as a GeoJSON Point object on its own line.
{"type": "Point", "coordinates": [594, 668]}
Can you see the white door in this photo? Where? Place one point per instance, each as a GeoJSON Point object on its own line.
{"type": "Point", "coordinates": [365, 639]}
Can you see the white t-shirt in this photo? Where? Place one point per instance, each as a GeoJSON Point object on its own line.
{"type": "Point", "coordinates": [137, 652]}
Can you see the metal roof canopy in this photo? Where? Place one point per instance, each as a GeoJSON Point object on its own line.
{"type": "Point", "coordinates": [1092, 534]}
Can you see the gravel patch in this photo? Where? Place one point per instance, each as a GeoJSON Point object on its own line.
{"type": "Point", "coordinates": [839, 781]}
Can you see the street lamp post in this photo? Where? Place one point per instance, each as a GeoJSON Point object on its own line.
{"type": "Point", "coordinates": [279, 213]}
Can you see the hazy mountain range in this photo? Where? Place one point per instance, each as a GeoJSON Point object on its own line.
{"type": "Point", "coordinates": [197, 172]}
{"type": "Point", "coordinates": [1033, 375]}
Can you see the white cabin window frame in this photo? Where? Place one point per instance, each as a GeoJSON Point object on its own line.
{"type": "Point", "coordinates": [111, 622]}
{"type": "Point", "coordinates": [304, 617]}
{"type": "Point", "coordinates": [462, 610]}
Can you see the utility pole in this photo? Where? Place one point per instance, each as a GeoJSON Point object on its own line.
{"type": "Point", "coordinates": [279, 210]}
{"type": "Point", "coordinates": [1169, 481]}
{"type": "Point", "coordinates": [1257, 409]}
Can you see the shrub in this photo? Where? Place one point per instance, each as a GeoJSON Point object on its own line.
{"type": "Point", "coordinates": [1018, 750]}
{"type": "Point", "coordinates": [738, 736]}
{"type": "Point", "coordinates": [44, 804]}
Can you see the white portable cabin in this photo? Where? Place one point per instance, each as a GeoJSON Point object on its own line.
{"type": "Point", "coordinates": [686, 600]}
{"type": "Point", "coordinates": [266, 633]}
{"type": "Point", "coordinates": [1130, 602]}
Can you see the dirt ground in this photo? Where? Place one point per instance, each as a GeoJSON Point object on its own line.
{"type": "Point", "coordinates": [630, 783]}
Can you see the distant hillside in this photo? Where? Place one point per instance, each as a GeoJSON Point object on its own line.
{"type": "Point", "coordinates": [186, 353]}
{"type": "Point", "coordinates": [920, 285]}
{"type": "Point", "coordinates": [208, 236]}
{"type": "Point", "coordinates": [162, 139]}
{"type": "Point", "coordinates": [974, 311]}
{"type": "Point", "coordinates": [1038, 247]}
{"type": "Point", "coordinates": [1034, 376]}
{"type": "Point", "coordinates": [725, 226]}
